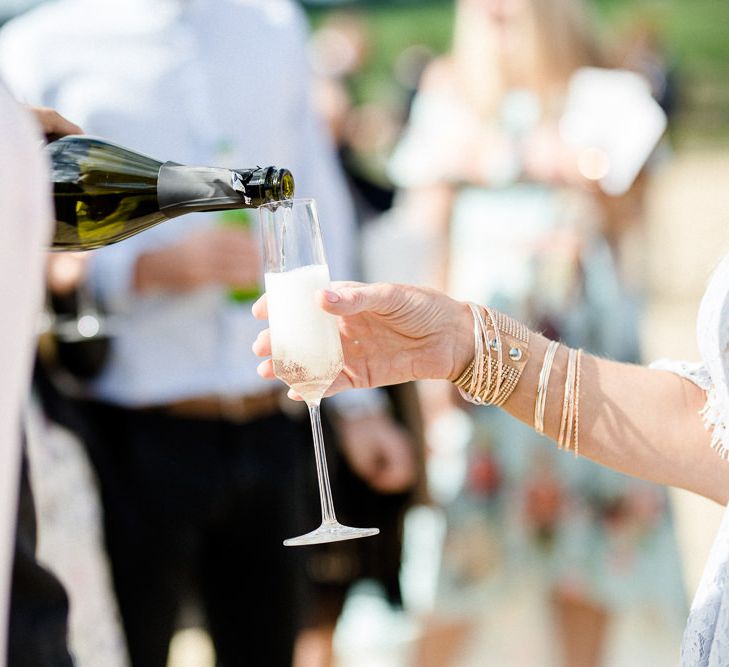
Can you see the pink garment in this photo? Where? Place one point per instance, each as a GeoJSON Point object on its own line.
{"type": "Point", "coordinates": [25, 217]}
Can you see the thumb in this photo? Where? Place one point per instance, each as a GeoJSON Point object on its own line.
{"type": "Point", "coordinates": [353, 298]}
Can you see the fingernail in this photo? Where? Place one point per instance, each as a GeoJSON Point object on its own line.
{"type": "Point", "coordinates": [332, 297]}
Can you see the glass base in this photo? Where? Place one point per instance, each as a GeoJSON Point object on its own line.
{"type": "Point", "coordinates": [330, 532]}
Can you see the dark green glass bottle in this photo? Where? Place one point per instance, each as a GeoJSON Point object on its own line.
{"type": "Point", "coordinates": [104, 193]}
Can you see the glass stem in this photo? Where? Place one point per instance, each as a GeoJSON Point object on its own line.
{"type": "Point", "coordinates": [325, 489]}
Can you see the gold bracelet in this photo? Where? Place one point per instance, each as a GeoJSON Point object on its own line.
{"type": "Point", "coordinates": [516, 340]}
{"type": "Point", "coordinates": [512, 377]}
{"type": "Point", "coordinates": [513, 328]}
{"type": "Point", "coordinates": [496, 344]}
{"type": "Point", "coordinates": [509, 378]}
{"type": "Point", "coordinates": [501, 353]}
{"type": "Point", "coordinates": [565, 428]}
{"type": "Point", "coordinates": [577, 403]}
{"type": "Point", "coordinates": [465, 377]}
{"type": "Point", "coordinates": [541, 400]}
{"type": "Point", "coordinates": [469, 378]}
{"type": "Point", "coordinates": [571, 407]}
{"type": "Point", "coordinates": [470, 381]}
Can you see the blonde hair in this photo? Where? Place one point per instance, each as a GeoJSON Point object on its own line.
{"type": "Point", "coordinates": [565, 35]}
{"type": "Point", "coordinates": [554, 38]}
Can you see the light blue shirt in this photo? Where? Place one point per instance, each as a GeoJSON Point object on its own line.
{"type": "Point", "coordinates": [177, 80]}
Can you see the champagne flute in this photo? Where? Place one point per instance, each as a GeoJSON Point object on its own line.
{"type": "Point", "coordinates": [305, 343]}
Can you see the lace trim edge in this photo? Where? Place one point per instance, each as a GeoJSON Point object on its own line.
{"type": "Point", "coordinates": [715, 420]}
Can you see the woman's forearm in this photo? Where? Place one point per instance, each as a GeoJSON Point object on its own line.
{"type": "Point", "coordinates": [639, 421]}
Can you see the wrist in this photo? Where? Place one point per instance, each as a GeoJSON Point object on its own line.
{"type": "Point", "coordinates": [501, 347]}
{"type": "Point", "coordinates": [462, 342]}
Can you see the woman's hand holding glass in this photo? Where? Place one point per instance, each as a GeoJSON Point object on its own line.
{"type": "Point", "coordinates": [390, 334]}
{"type": "Point", "coordinates": [304, 340]}
{"type": "Point", "coordinates": [639, 421]}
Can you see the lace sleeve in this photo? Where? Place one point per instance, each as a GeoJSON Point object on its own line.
{"type": "Point", "coordinates": [697, 373]}
{"type": "Point", "coordinates": [714, 413]}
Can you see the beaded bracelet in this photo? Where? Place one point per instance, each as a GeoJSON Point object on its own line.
{"type": "Point", "coordinates": [501, 352]}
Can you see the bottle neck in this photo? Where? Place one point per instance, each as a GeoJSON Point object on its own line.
{"type": "Point", "coordinates": [182, 189]}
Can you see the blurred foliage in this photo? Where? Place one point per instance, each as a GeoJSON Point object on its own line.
{"type": "Point", "coordinates": [393, 28]}
{"type": "Point", "coordinates": [694, 31]}
{"type": "Point", "coordinates": [695, 34]}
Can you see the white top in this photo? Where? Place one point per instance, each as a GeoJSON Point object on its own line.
{"type": "Point", "coordinates": [706, 640]}
{"type": "Point", "coordinates": [178, 80]}
{"type": "Point", "coordinates": [24, 232]}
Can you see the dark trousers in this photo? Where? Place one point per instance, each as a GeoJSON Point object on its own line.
{"type": "Point", "coordinates": [198, 509]}
{"type": "Point", "coordinates": [38, 618]}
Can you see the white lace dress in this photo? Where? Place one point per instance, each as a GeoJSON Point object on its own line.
{"type": "Point", "coordinates": [706, 639]}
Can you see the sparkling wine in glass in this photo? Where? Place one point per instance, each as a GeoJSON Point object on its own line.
{"type": "Point", "coordinates": [306, 348]}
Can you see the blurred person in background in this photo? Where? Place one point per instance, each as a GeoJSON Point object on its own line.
{"type": "Point", "coordinates": [644, 49]}
{"type": "Point", "coordinates": [340, 50]}
{"type": "Point", "coordinates": [522, 225]}
{"type": "Point", "coordinates": [68, 506]}
{"type": "Point", "coordinates": [199, 464]}
{"type": "Point", "coordinates": [364, 133]}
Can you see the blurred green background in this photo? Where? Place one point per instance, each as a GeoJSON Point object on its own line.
{"type": "Point", "coordinates": [696, 35]}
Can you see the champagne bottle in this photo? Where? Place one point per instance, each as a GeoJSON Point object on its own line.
{"type": "Point", "coordinates": [104, 193]}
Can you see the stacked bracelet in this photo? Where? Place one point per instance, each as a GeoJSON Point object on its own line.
{"type": "Point", "coordinates": [501, 352]}
{"type": "Point", "coordinates": [569, 429]}
{"type": "Point", "coordinates": [541, 401]}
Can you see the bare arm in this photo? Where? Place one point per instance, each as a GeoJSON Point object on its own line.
{"type": "Point", "coordinates": [639, 421]}
{"type": "Point", "coordinates": [642, 422]}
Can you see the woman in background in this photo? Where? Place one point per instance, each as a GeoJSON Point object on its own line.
{"type": "Point", "coordinates": [521, 224]}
